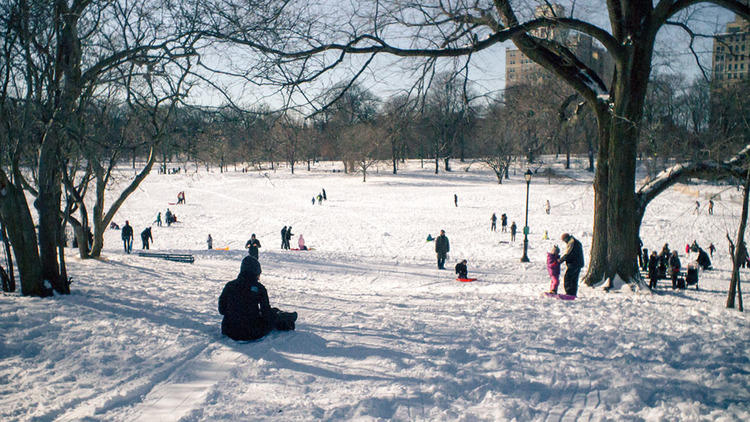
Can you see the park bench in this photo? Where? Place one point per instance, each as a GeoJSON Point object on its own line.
{"type": "Point", "coordinates": [176, 257]}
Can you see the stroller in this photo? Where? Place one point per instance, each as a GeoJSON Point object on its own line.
{"type": "Point", "coordinates": [691, 276]}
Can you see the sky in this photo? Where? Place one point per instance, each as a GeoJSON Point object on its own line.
{"type": "Point", "coordinates": [388, 75]}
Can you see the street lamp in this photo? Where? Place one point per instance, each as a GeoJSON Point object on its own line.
{"type": "Point", "coordinates": [525, 257]}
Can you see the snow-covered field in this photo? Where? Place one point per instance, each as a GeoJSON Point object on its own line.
{"type": "Point", "coordinates": [382, 333]}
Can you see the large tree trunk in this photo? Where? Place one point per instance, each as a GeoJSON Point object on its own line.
{"type": "Point", "coordinates": [734, 285]}
{"type": "Point", "coordinates": [22, 235]}
{"type": "Point", "coordinates": [48, 207]}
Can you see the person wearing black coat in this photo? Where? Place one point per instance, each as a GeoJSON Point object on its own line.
{"type": "Point", "coordinates": [462, 270]}
{"type": "Point", "coordinates": [703, 260]}
{"type": "Point", "coordinates": [674, 267]}
{"type": "Point", "coordinates": [653, 270]}
{"type": "Point", "coordinates": [504, 223]}
{"type": "Point", "coordinates": [573, 258]}
{"type": "Point", "coordinates": [289, 235]}
{"type": "Point", "coordinates": [127, 236]}
{"type": "Point", "coordinates": [146, 236]}
{"type": "Point", "coordinates": [283, 238]}
{"type": "Point", "coordinates": [246, 309]}
{"type": "Point", "coordinates": [442, 247]}
{"type": "Point", "coordinates": [252, 246]}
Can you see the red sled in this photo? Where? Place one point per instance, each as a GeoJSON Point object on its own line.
{"type": "Point", "coordinates": [466, 280]}
{"type": "Point", "coordinates": [172, 203]}
{"type": "Point", "coordinates": [560, 296]}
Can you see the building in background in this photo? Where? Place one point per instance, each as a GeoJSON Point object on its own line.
{"type": "Point", "coordinates": [519, 69]}
{"type": "Point", "coordinates": [731, 54]}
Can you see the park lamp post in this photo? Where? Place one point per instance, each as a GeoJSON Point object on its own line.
{"type": "Point", "coordinates": [525, 257]}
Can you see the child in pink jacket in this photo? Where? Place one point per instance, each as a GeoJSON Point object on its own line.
{"type": "Point", "coordinates": [553, 268]}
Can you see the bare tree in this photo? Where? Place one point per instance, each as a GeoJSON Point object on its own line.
{"type": "Point", "coordinates": [434, 30]}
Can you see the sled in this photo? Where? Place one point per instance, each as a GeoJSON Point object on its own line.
{"type": "Point", "coordinates": [466, 280]}
{"type": "Point", "coordinates": [298, 249]}
{"type": "Point", "coordinates": [559, 296]}
{"type": "Point", "coordinates": [171, 203]}
{"type": "Point", "coordinates": [186, 258]}
{"type": "Point", "coordinates": [226, 248]}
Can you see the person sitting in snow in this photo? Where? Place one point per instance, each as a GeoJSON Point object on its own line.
{"type": "Point", "coordinates": [301, 243]}
{"type": "Point", "coordinates": [553, 268]}
{"type": "Point", "coordinates": [462, 270]}
{"type": "Point", "coordinates": [245, 306]}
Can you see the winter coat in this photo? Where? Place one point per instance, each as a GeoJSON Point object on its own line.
{"type": "Point", "coordinates": [127, 232]}
{"type": "Point", "coordinates": [252, 246]}
{"type": "Point", "coordinates": [653, 264]}
{"type": "Point", "coordinates": [146, 234]}
{"type": "Point", "coordinates": [461, 270]}
{"type": "Point", "coordinates": [703, 259]}
{"type": "Point", "coordinates": [442, 245]}
{"type": "Point", "coordinates": [244, 304]}
{"type": "Point", "coordinates": [674, 263]}
{"type": "Point", "coordinates": [573, 256]}
{"type": "Point", "coordinates": [553, 265]}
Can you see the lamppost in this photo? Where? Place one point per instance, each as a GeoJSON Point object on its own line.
{"type": "Point", "coordinates": [525, 257]}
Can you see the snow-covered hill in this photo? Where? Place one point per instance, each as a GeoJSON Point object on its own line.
{"type": "Point", "coordinates": [382, 333]}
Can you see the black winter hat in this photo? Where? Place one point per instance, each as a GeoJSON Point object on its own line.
{"type": "Point", "coordinates": [250, 265]}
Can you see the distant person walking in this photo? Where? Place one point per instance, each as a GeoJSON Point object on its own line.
{"type": "Point", "coordinates": [504, 223]}
{"type": "Point", "coordinates": [283, 238]}
{"type": "Point", "coordinates": [547, 207]}
{"type": "Point", "coordinates": [320, 199]}
{"type": "Point", "coordinates": [168, 217]}
{"type": "Point", "coordinates": [252, 246]}
{"type": "Point", "coordinates": [697, 210]}
{"type": "Point", "coordinates": [325, 198]}
{"type": "Point", "coordinates": [710, 207]}
{"type": "Point", "coordinates": [145, 237]}
{"type": "Point", "coordinates": [493, 219]}
{"type": "Point", "coordinates": [127, 237]}
{"type": "Point", "coordinates": [158, 219]}
{"type": "Point", "coordinates": [513, 229]}
{"type": "Point", "coordinates": [442, 247]}
{"type": "Point", "coordinates": [455, 199]}
{"type": "Point", "coordinates": [573, 258]}
{"type": "Point", "coordinates": [711, 249]}
{"type": "Point", "coordinates": [210, 242]}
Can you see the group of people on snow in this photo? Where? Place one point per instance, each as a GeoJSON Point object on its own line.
{"type": "Point", "coordinates": [321, 197]}
{"type": "Point", "coordinates": [573, 259]}
{"type": "Point", "coordinates": [667, 264]}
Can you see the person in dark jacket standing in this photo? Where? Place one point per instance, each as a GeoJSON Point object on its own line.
{"type": "Point", "coordinates": [283, 238]}
{"type": "Point", "coordinates": [573, 258]}
{"type": "Point", "coordinates": [674, 267]}
{"type": "Point", "coordinates": [442, 247]}
{"type": "Point", "coordinates": [455, 199]}
{"type": "Point", "coordinates": [493, 219]}
{"type": "Point", "coordinates": [145, 237]}
{"type": "Point", "coordinates": [289, 235]}
{"type": "Point", "coordinates": [504, 223]}
{"type": "Point", "coordinates": [127, 237]}
{"type": "Point", "coordinates": [513, 229]}
{"type": "Point", "coordinates": [252, 246]}
{"type": "Point", "coordinates": [246, 309]}
{"type": "Point", "coordinates": [653, 270]}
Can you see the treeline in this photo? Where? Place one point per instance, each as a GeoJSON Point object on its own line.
{"type": "Point", "coordinates": [683, 120]}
